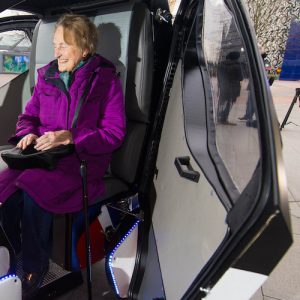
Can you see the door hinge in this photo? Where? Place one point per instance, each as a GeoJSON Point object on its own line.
{"type": "Point", "coordinates": [163, 16]}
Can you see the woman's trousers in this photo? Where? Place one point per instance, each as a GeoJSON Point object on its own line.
{"type": "Point", "coordinates": [28, 228]}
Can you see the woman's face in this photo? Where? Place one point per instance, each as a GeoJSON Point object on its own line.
{"type": "Point", "coordinates": [68, 55]}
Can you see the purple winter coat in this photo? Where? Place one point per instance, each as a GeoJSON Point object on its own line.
{"type": "Point", "coordinates": [100, 130]}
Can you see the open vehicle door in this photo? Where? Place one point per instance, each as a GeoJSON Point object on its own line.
{"type": "Point", "coordinates": [220, 219]}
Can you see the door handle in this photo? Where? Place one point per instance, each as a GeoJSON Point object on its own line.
{"type": "Point", "coordinates": [185, 169]}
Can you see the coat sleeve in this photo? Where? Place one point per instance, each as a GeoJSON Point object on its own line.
{"type": "Point", "coordinates": [28, 122]}
{"type": "Point", "coordinates": [110, 131]}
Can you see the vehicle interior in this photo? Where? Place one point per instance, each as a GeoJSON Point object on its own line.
{"type": "Point", "coordinates": [125, 38]}
{"type": "Point", "coordinates": [190, 191]}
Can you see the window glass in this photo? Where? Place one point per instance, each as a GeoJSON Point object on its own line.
{"type": "Point", "coordinates": [174, 5]}
{"type": "Point", "coordinates": [14, 51]}
{"type": "Point", "coordinates": [15, 47]}
{"type": "Point", "coordinates": [13, 12]}
{"type": "Point", "coordinates": [234, 117]}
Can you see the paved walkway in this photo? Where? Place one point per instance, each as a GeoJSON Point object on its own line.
{"type": "Point", "coordinates": [284, 281]}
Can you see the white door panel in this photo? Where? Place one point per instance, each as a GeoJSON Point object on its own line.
{"type": "Point", "coordinates": [236, 284]}
{"type": "Point", "coordinates": [189, 219]}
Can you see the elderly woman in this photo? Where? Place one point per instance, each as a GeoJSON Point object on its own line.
{"type": "Point", "coordinates": [33, 195]}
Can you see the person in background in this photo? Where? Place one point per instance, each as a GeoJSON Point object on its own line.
{"type": "Point", "coordinates": [34, 195]}
{"type": "Point", "coordinates": [229, 77]}
{"type": "Point", "coordinates": [248, 116]}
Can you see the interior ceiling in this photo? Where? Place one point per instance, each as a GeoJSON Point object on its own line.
{"type": "Point", "coordinates": [49, 7]}
{"type": "Point", "coordinates": [8, 3]}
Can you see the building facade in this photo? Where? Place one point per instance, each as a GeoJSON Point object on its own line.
{"type": "Point", "coordinates": [272, 20]}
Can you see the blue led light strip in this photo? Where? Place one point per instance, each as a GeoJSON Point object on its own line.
{"type": "Point", "coordinates": [8, 277]}
{"type": "Point", "coordinates": [110, 258]}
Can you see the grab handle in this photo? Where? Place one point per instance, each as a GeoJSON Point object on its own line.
{"type": "Point", "coordinates": [185, 169]}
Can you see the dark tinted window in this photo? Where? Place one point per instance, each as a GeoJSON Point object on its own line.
{"type": "Point", "coordinates": [234, 118]}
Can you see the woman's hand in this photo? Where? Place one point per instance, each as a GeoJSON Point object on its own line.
{"type": "Point", "coordinates": [53, 139]}
{"type": "Point", "coordinates": [27, 140]}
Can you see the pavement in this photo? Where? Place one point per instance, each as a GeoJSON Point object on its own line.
{"type": "Point", "coordinates": [284, 281]}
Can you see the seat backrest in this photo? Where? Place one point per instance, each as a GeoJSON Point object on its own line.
{"type": "Point", "coordinates": [125, 38]}
{"type": "Point", "coordinates": [137, 95]}
{"type": "Point", "coordinates": [113, 30]}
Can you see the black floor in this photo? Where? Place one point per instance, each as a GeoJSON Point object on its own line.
{"type": "Point", "coordinates": [100, 287]}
